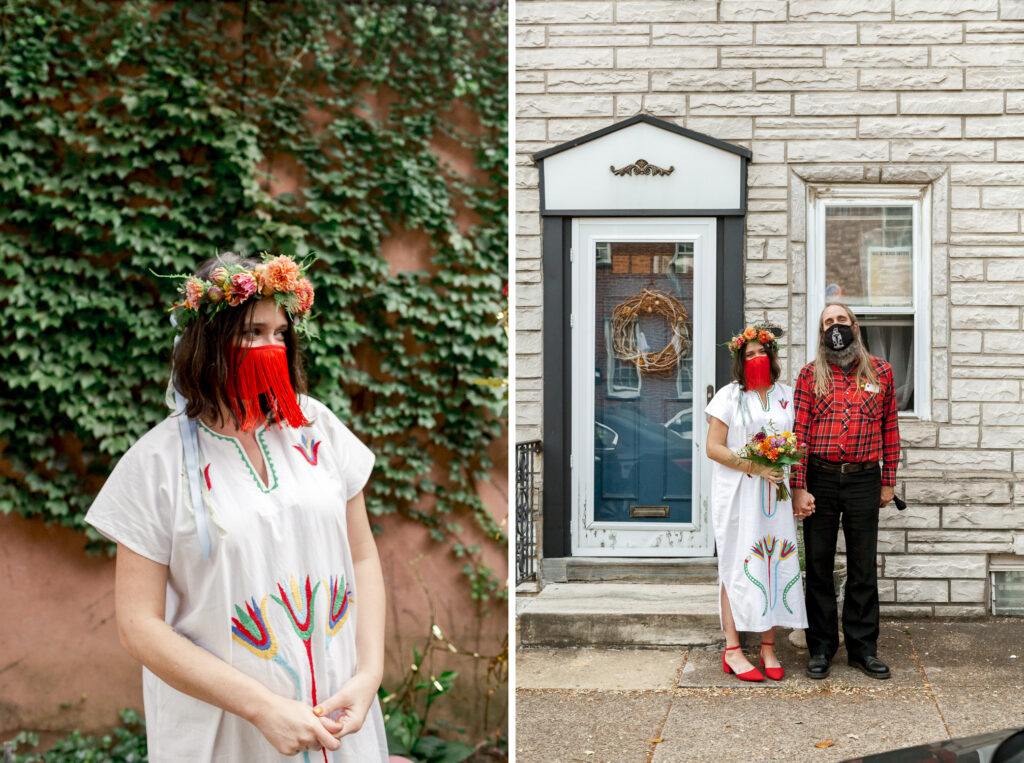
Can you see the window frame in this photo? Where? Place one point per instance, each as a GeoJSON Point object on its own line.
{"type": "Point", "coordinates": [919, 198]}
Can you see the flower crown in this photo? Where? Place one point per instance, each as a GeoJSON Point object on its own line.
{"type": "Point", "coordinates": [765, 333]}
{"type": "Point", "coordinates": [231, 285]}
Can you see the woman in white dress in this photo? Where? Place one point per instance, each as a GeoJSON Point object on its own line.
{"type": "Point", "coordinates": [248, 582]}
{"type": "Point", "coordinates": [758, 568]}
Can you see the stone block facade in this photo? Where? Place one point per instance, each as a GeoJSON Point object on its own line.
{"type": "Point", "coordinates": [832, 91]}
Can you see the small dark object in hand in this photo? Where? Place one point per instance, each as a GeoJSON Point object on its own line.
{"type": "Point", "coordinates": [900, 503]}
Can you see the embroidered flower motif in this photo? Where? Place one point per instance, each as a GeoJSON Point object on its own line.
{"type": "Point", "coordinates": [282, 274]}
{"type": "Point", "coordinates": [250, 629]}
{"type": "Point", "coordinates": [309, 449]}
{"type": "Point", "coordinates": [337, 612]}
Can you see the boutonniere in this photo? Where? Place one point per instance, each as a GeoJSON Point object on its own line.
{"type": "Point", "coordinates": [869, 388]}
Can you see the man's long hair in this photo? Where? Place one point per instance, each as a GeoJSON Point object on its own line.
{"type": "Point", "coordinates": [823, 374]}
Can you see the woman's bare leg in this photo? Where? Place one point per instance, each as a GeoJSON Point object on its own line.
{"type": "Point", "coordinates": [735, 657]}
{"type": "Point", "coordinates": [768, 652]}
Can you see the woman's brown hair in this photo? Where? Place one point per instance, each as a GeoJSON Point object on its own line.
{"type": "Point", "coordinates": [201, 364]}
{"type": "Point", "coordinates": [740, 358]}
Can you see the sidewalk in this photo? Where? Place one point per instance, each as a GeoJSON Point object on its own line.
{"type": "Point", "coordinates": [950, 679]}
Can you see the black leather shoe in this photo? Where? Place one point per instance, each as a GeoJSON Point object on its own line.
{"type": "Point", "coordinates": [871, 666]}
{"type": "Point", "coordinates": [819, 666]}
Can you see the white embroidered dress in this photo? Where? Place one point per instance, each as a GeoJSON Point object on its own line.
{"type": "Point", "coordinates": [755, 534]}
{"type": "Point", "coordinates": [276, 598]}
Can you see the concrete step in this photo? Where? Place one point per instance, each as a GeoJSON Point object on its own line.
{"type": "Point", "coordinates": [582, 569]}
{"type": "Point", "coordinates": [620, 614]}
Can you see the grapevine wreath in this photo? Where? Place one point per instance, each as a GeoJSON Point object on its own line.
{"type": "Point", "coordinates": [624, 323]}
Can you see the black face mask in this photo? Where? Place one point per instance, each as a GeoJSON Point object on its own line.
{"type": "Point", "coordinates": [838, 337]}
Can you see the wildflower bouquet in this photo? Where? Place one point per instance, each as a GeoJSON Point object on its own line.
{"type": "Point", "coordinates": [774, 449]}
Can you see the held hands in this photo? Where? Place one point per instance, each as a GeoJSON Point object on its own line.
{"type": "Point", "coordinates": [803, 503]}
{"type": "Point", "coordinates": [292, 727]}
{"type": "Point", "coordinates": [346, 710]}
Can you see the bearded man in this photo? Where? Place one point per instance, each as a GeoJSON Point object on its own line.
{"type": "Point", "coordinates": [845, 408]}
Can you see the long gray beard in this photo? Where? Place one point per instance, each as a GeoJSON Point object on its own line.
{"type": "Point", "coordinates": [842, 358]}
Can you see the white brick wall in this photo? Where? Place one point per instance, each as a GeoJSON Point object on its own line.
{"type": "Point", "coordinates": [832, 91]}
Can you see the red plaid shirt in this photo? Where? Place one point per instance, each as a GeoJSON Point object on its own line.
{"type": "Point", "coordinates": [847, 424]}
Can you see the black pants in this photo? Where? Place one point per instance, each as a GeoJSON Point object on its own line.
{"type": "Point", "coordinates": [850, 499]}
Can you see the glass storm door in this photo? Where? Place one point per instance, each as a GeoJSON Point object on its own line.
{"type": "Point", "coordinates": [643, 317]}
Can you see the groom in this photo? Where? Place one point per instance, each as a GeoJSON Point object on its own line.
{"type": "Point", "coordinates": [845, 409]}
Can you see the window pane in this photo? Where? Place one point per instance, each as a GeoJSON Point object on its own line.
{"type": "Point", "coordinates": [868, 255]}
{"type": "Point", "coordinates": [892, 338]}
{"type": "Point", "coordinates": [643, 398]}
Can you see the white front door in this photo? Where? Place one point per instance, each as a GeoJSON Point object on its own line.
{"type": "Point", "coordinates": [643, 318]}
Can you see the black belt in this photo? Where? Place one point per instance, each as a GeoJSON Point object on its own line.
{"type": "Point", "coordinates": [842, 468]}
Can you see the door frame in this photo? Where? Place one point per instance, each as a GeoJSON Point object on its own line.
{"type": "Point", "coordinates": [557, 395]}
{"type": "Point", "coordinates": [648, 539]}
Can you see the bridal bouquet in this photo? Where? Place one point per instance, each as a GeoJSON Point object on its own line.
{"type": "Point", "coordinates": [774, 449]}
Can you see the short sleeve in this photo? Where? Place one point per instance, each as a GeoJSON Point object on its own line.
{"type": "Point", "coordinates": [355, 460]}
{"type": "Point", "coordinates": [135, 507]}
{"type": "Point", "coordinates": [723, 404]}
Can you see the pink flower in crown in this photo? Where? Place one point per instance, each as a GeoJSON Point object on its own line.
{"type": "Point", "coordinates": [219, 276]}
{"type": "Point", "coordinates": [215, 294]}
{"type": "Point", "coordinates": [193, 293]}
{"type": "Point", "coordinates": [243, 286]}
{"type": "Point", "coordinates": [303, 296]}
{"type": "Point", "coordinates": [282, 274]}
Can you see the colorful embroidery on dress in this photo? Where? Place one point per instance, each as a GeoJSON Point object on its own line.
{"type": "Point", "coordinates": [206, 473]}
{"type": "Point", "coordinates": [309, 449]}
{"type": "Point", "coordinates": [301, 616]}
{"type": "Point", "coordinates": [784, 403]}
{"type": "Point", "coordinates": [764, 550]}
{"type": "Point", "coordinates": [767, 493]}
{"type": "Point", "coordinates": [251, 630]}
{"type": "Point", "coordinates": [271, 471]}
{"type": "Point", "coordinates": [338, 609]}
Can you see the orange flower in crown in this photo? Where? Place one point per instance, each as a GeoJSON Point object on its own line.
{"type": "Point", "coordinates": [280, 277]}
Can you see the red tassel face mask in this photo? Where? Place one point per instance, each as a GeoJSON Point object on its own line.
{"type": "Point", "coordinates": [261, 386]}
{"type": "Point", "coordinates": [757, 372]}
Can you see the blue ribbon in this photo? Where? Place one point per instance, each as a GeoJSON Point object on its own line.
{"type": "Point", "coordinates": [190, 442]}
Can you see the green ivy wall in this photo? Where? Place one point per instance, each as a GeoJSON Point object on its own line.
{"type": "Point", "coordinates": [143, 136]}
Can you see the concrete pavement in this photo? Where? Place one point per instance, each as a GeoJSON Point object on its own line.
{"type": "Point", "coordinates": [950, 679]}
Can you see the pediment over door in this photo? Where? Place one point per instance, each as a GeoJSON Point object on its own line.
{"type": "Point", "coordinates": [643, 166]}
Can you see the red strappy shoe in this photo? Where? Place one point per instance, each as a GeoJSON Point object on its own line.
{"type": "Point", "coordinates": [751, 675]}
{"type": "Point", "coordinates": [775, 674]}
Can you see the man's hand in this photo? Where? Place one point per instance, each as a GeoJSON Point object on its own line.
{"type": "Point", "coordinates": [887, 493]}
{"type": "Point", "coordinates": [803, 503]}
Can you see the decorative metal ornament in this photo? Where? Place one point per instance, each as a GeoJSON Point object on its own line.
{"type": "Point", "coordinates": [641, 167]}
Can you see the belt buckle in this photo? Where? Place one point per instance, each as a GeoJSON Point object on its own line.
{"type": "Point", "coordinates": [843, 467]}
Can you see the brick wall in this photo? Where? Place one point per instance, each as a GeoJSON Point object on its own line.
{"type": "Point", "coordinates": [822, 91]}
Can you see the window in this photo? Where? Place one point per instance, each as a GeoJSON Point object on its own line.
{"type": "Point", "coordinates": [868, 248]}
{"type": "Point", "coordinates": [623, 378]}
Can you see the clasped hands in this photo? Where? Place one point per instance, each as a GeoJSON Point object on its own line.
{"type": "Point", "coordinates": [803, 502]}
{"type": "Point", "coordinates": [293, 727]}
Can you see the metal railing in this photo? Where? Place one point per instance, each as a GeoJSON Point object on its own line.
{"type": "Point", "coordinates": [527, 503]}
